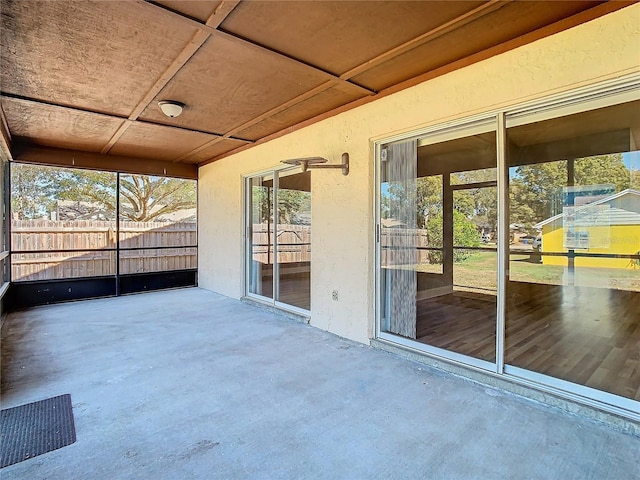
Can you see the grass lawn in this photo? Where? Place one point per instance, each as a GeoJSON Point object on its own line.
{"type": "Point", "coordinates": [479, 271]}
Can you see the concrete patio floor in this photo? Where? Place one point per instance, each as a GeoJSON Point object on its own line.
{"type": "Point", "coordinates": [190, 384]}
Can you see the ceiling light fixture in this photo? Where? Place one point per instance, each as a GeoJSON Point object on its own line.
{"type": "Point", "coordinates": [171, 108]}
{"type": "Point", "coordinates": [316, 162]}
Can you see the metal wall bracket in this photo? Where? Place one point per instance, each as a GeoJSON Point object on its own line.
{"type": "Point", "coordinates": [310, 163]}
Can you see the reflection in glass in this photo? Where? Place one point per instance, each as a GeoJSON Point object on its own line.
{"type": "Point", "coordinates": [438, 211]}
{"type": "Point", "coordinates": [261, 236]}
{"type": "Point", "coordinates": [574, 283]}
{"type": "Point", "coordinates": [294, 239]}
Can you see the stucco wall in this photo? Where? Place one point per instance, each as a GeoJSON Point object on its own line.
{"type": "Point", "coordinates": [343, 206]}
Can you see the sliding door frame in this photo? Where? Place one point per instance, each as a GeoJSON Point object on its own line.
{"type": "Point", "coordinates": [604, 94]}
{"type": "Point", "coordinates": [477, 124]}
{"type": "Point", "coordinates": [248, 240]}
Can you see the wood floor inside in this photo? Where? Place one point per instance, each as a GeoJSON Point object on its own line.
{"type": "Point", "coordinates": [587, 336]}
{"type": "Point", "coordinates": [295, 289]}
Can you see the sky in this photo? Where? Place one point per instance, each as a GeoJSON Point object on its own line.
{"type": "Point", "coordinates": [631, 160]}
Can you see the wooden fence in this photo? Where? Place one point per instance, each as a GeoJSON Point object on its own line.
{"type": "Point", "coordinates": [394, 243]}
{"type": "Point", "coordinates": [47, 236]}
{"type": "Point", "coordinates": [43, 236]}
{"type": "Point", "coordinates": [294, 243]}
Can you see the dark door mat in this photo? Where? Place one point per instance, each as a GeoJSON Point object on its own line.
{"type": "Point", "coordinates": [36, 428]}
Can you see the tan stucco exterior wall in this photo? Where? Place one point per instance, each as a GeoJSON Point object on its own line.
{"type": "Point", "coordinates": [342, 207]}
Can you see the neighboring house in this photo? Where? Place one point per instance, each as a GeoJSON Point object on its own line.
{"type": "Point", "coordinates": [75, 210]}
{"type": "Point", "coordinates": [610, 225]}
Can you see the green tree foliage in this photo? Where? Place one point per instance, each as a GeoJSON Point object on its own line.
{"type": "Point", "coordinates": [465, 234]}
{"type": "Point", "coordinates": [146, 198]}
{"type": "Point", "coordinates": [37, 189]}
{"type": "Point", "coordinates": [32, 191]}
{"type": "Point", "coordinates": [290, 204]}
{"type": "Point", "coordinates": [479, 204]}
{"type": "Point", "coordinates": [535, 191]}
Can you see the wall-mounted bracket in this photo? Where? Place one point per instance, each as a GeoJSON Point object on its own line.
{"type": "Point", "coordinates": [310, 163]}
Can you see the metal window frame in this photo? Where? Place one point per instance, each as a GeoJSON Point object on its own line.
{"type": "Point", "coordinates": [603, 94]}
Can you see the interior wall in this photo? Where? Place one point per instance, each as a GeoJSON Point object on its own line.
{"type": "Point", "coordinates": [342, 207]}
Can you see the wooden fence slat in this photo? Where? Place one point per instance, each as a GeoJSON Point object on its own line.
{"type": "Point", "coordinates": [45, 235]}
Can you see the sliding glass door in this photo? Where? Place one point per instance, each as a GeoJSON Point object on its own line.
{"type": "Point", "coordinates": [278, 240]}
{"type": "Point", "coordinates": [573, 303]}
{"type": "Point", "coordinates": [438, 219]}
{"type": "Point", "coordinates": [512, 244]}
{"type": "Point", "coordinates": [261, 235]}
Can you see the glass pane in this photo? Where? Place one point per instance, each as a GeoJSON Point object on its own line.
{"type": "Point", "coordinates": [574, 283]}
{"type": "Point", "coordinates": [438, 256]}
{"type": "Point", "coordinates": [294, 239]}
{"type": "Point", "coordinates": [61, 209]}
{"type": "Point", "coordinates": [157, 212]}
{"type": "Point", "coordinates": [158, 260]}
{"type": "Point", "coordinates": [57, 266]}
{"type": "Point", "coordinates": [261, 236]}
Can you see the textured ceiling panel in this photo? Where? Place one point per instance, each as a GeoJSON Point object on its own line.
{"type": "Point", "coordinates": [58, 127]}
{"type": "Point", "coordinates": [316, 105]}
{"type": "Point", "coordinates": [337, 36]}
{"type": "Point", "coordinates": [158, 142]}
{"type": "Point", "coordinates": [506, 23]}
{"type": "Point", "coordinates": [214, 150]}
{"type": "Point", "coordinates": [95, 55]}
{"type": "Point", "coordinates": [228, 82]}
{"type": "Point", "coordinates": [258, 69]}
{"type": "Point", "coordinates": [199, 10]}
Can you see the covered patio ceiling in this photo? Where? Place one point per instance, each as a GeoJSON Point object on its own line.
{"type": "Point", "coordinates": [81, 81]}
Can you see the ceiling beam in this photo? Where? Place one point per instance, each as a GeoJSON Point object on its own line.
{"type": "Point", "coordinates": [97, 161]}
{"type": "Point", "coordinates": [543, 32]}
{"type": "Point", "coordinates": [247, 43]}
{"type": "Point", "coordinates": [5, 136]}
{"type": "Point", "coordinates": [124, 126]}
{"type": "Point", "coordinates": [199, 38]}
{"type": "Point", "coordinates": [432, 34]}
{"type": "Point", "coordinates": [300, 98]}
{"type": "Point", "coordinates": [221, 12]}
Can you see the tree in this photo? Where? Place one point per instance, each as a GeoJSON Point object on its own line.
{"type": "Point", "coordinates": [36, 191]}
{"type": "Point", "coordinates": [535, 191]}
{"type": "Point", "coordinates": [32, 192]}
{"type": "Point", "coordinates": [635, 180]}
{"type": "Point", "coordinates": [290, 204]}
{"type": "Point", "coordinates": [465, 234]}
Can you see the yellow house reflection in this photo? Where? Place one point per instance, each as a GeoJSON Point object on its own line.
{"type": "Point", "coordinates": [609, 227]}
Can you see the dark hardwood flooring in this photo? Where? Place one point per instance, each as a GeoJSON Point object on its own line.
{"type": "Point", "coordinates": [295, 289]}
{"type": "Point", "coordinates": [587, 336]}
{"type": "Point", "coordinates": [462, 322]}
